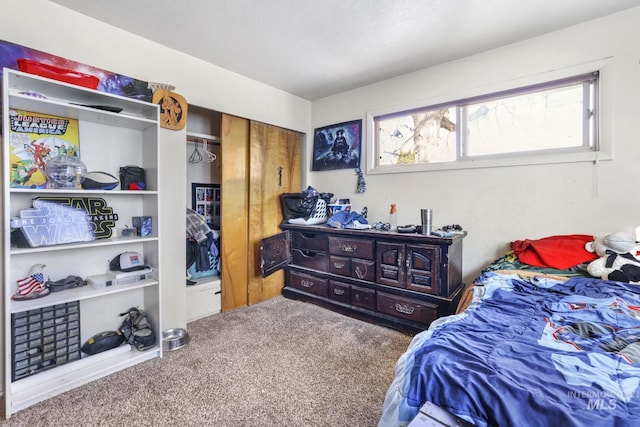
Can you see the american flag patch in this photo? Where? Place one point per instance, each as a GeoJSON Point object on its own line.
{"type": "Point", "coordinates": [29, 284]}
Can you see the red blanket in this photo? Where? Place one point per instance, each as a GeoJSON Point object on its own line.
{"type": "Point", "coordinates": [561, 252]}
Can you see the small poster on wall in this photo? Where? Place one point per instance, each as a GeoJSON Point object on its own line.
{"type": "Point", "coordinates": [337, 146]}
{"type": "Point", "coordinates": [205, 200]}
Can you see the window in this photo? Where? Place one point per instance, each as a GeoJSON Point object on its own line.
{"type": "Point", "coordinates": [548, 120]}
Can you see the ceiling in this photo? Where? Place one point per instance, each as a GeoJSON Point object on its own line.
{"type": "Point", "coordinates": [314, 49]}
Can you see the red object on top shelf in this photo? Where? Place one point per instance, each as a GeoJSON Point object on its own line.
{"type": "Point", "coordinates": [57, 73]}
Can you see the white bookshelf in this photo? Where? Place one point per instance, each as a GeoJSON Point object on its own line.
{"type": "Point", "coordinates": [108, 140]}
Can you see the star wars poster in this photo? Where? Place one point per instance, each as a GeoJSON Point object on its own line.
{"type": "Point", "coordinates": [33, 139]}
{"type": "Point", "coordinates": [337, 146]}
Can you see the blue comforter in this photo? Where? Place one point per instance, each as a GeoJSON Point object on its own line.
{"type": "Point", "coordinates": [528, 352]}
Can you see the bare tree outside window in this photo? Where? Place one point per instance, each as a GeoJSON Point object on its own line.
{"type": "Point", "coordinates": [424, 137]}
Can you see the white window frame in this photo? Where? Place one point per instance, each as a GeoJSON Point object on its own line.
{"type": "Point", "coordinates": [602, 149]}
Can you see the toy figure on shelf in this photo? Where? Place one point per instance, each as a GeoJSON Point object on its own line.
{"type": "Point", "coordinates": [32, 286]}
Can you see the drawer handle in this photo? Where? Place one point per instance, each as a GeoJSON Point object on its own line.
{"type": "Point", "coordinates": [306, 283]}
{"type": "Point", "coordinates": [404, 308]}
{"type": "Point", "coordinates": [338, 291]}
{"type": "Point", "coordinates": [359, 273]}
{"type": "Point", "coordinates": [338, 265]}
{"type": "Point", "coordinates": [348, 248]}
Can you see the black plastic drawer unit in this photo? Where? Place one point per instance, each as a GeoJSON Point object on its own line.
{"type": "Point", "coordinates": [44, 338]}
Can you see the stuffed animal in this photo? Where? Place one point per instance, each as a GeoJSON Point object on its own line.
{"type": "Point", "coordinates": [617, 260]}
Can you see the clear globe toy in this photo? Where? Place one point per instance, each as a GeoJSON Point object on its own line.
{"type": "Point", "coordinates": [65, 171]}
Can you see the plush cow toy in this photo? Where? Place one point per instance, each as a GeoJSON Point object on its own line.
{"type": "Point", "coordinates": [617, 260]}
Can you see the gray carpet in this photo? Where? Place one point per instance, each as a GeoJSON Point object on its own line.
{"type": "Point", "coordinates": [277, 363]}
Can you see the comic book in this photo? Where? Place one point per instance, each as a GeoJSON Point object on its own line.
{"type": "Point", "coordinates": [34, 138]}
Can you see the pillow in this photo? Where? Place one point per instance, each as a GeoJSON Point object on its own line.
{"type": "Point", "coordinates": [560, 252]}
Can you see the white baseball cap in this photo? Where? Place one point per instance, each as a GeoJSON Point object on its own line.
{"type": "Point", "coordinates": [128, 261]}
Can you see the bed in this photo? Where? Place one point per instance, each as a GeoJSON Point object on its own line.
{"type": "Point", "coordinates": [534, 347]}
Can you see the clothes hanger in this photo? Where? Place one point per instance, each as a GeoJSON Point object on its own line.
{"type": "Point", "coordinates": [196, 156]}
{"type": "Point", "coordinates": [211, 157]}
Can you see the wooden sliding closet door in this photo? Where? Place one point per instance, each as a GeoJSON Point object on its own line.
{"type": "Point", "coordinates": [234, 208]}
{"type": "Point", "coordinates": [259, 162]}
{"type": "Point", "coordinates": [274, 168]}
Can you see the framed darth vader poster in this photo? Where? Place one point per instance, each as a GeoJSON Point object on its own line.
{"type": "Point", "coordinates": [337, 146]}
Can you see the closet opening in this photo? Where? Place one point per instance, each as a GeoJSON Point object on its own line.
{"type": "Point", "coordinates": [203, 213]}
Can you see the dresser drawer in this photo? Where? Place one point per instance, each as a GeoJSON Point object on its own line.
{"type": "Point", "coordinates": [355, 248]}
{"type": "Point", "coordinates": [340, 291]}
{"type": "Point", "coordinates": [363, 297]}
{"type": "Point", "coordinates": [308, 283]}
{"type": "Point", "coordinates": [310, 241]}
{"type": "Point", "coordinates": [340, 265]}
{"type": "Point", "coordinates": [418, 311]}
{"type": "Point", "coordinates": [363, 269]}
{"type": "Point", "coordinates": [314, 260]}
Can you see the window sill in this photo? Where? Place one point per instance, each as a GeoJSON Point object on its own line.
{"type": "Point", "coordinates": [494, 162]}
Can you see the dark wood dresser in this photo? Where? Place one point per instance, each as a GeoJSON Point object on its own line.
{"type": "Point", "coordinates": [399, 280]}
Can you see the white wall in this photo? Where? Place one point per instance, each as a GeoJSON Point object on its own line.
{"type": "Point", "coordinates": [500, 205]}
{"type": "Point", "coordinates": [48, 27]}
